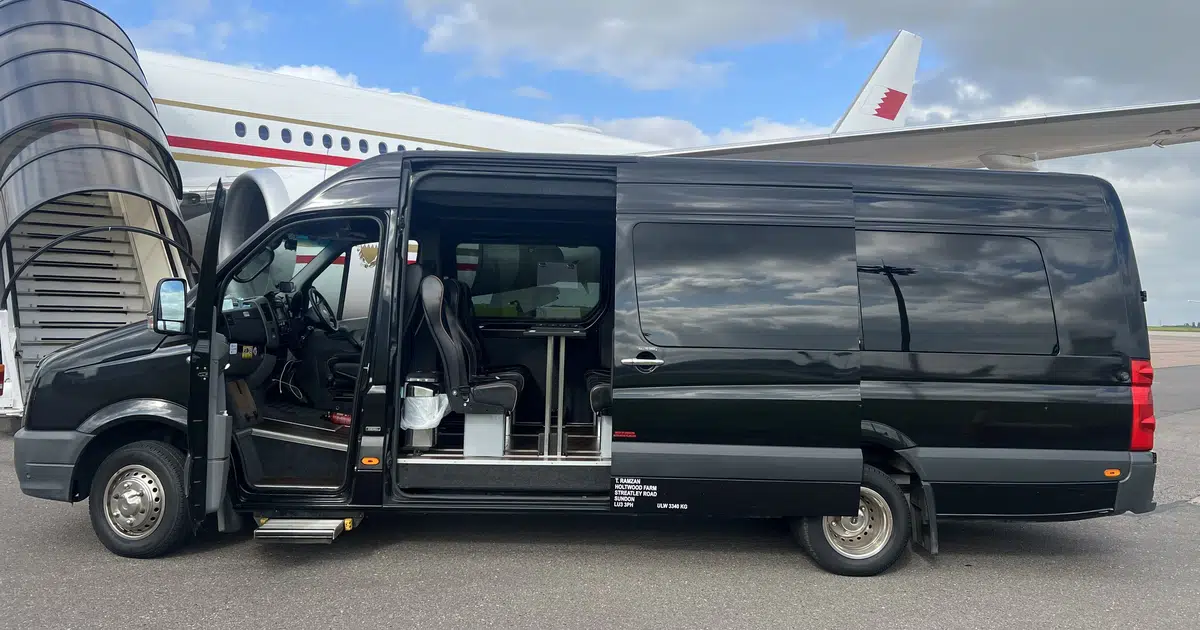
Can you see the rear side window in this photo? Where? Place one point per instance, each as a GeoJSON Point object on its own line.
{"type": "Point", "coordinates": [527, 281]}
{"type": "Point", "coordinates": [746, 286]}
{"type": "Point", "coordinates": [964, 293]}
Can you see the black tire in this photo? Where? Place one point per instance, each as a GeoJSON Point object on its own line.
{"type": "Point", "coordinates": [160, 481]}
{"type": "Point", "coordinates": [810, 531]}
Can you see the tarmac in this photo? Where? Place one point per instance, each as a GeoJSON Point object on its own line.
{"type": "Point", "coordinates": [452, 571]}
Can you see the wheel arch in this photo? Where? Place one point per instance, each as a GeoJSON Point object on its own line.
{"type": "Point", "coordinates": [121, 423]}
{"type": "Point", "coordinates": [893, 452]}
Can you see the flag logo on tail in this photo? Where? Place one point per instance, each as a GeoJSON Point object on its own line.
{"type": "Point", "coordinates": [884, 102]}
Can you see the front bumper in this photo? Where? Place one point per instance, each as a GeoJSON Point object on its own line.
{"type": "Point", "coordinates": [1135, 493]}
{"type": "Point", "coordinates": [46, 460]}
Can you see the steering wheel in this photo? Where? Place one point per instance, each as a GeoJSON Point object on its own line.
{"type": "Point", "coordinates": [321, 309]}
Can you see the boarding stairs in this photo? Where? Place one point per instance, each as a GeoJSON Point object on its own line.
{"type": "Point", "coordinates": [82, 287]}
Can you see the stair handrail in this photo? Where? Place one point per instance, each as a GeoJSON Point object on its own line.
{"type": "Point", "coordinates": [89, 230]}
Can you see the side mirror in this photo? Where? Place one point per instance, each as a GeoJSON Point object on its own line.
{"type": "Point", "coordinates": [170, 307]}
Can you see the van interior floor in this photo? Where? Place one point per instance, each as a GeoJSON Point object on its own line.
{"type": "Point", "coordinates": [298, 446]}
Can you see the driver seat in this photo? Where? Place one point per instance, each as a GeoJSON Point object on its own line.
{"type": "Point", "coordinates": [343, 368]}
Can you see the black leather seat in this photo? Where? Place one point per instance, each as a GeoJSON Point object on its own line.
{"type": "Point", "coordinates": [468, 387]}
{"type": "Point", "coordinates": [458, 296]}
{"type": "Point", "coordinates": [599, 381]}
{"type": "Point", "coordinates": [344, 367]}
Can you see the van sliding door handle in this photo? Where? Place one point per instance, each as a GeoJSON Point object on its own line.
{"type": "Point", "coordinates": [641, 362]}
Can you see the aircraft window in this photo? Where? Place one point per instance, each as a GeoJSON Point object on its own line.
{"type": "Point", "coordinates": [286, 134]}
{"type": "Point", "coordinates": [308, 138]}
{"type": "Point", "coordinates": [345, 143]}
{"type": "Point", "coordinates": [362, 146]}
{"type": "Point", "coordinates": [263, 132]}
{"type": "Point", "coordinates": [382, 148]}
{"type": "Point", "coordinates": [240, 129]}
{"type": "Point", "coordinates": [399, 147]}
{"type": "Point", "coordinates": [327, 140]}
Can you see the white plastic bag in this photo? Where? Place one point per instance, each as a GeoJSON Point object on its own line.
{"type": "Point", "coordinates": [424, 412]}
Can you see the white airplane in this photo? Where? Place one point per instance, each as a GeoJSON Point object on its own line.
{"type": "Point", "coordinates": [222, 121]}
{"type": "Point", "coordinates": [275, 136]}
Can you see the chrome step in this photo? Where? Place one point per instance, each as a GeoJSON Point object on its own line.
{"type": "Point", "coordinates": [304, 531]}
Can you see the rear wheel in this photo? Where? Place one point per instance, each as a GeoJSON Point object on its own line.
{"type": "Point", "coordinates": [866, 543]}
{"type": "Point", "coordinates": [137, 505]}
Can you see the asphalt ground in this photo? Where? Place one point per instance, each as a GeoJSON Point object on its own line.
{"type": "Point", "coordinates": [618, 572]}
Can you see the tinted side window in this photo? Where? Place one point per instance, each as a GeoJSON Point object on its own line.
{"type": "Point", "coordinates": [746, 286]}
{"type": "Point", "coordinates": [958, 293]}
{"type": "Point", "coordinates": [524, 281]}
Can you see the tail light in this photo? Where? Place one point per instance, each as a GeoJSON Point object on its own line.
{"type": "Point", "coordinates": [1142, 438]}
{"type": "Point", "coordinates": [1, 379]}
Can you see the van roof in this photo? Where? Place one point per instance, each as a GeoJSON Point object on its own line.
{"type": "Point", "coordinates": [1070, 188]}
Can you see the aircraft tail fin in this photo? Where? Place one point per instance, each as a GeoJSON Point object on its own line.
{"type": "Point", "coordinates": [886, 98]}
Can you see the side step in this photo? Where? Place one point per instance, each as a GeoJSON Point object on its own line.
{"type": "Point", "coordinates": [303, 531]}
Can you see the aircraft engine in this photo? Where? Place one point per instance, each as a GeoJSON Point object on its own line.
{"type": "Point", "coordinates": [251, 199]}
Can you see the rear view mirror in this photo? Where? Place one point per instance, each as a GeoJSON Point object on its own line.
{"type": "Point", "coordinates": [170, 307]}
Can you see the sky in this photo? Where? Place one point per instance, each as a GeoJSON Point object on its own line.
{"type": "Point", "coordinates": [693, 72]}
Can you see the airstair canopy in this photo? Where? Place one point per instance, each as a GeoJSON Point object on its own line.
{"type": "Point", "coordinates": [76, 114]}
{"type": "Point", "coordinates": [87, 181]}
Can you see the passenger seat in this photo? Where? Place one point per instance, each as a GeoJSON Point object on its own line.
{"type": "Point", "coordinates": [599, 381]}
{"type": "Point", "coordinates": [460, 371]}
{"type": "Point", "coordinates": [458, 301]}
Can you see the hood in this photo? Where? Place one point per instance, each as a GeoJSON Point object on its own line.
{"type": "Point", "coordinates": [125, 342]}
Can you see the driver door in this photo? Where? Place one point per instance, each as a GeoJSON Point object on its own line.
{"type": "Point", "coordinates": [210, 428]}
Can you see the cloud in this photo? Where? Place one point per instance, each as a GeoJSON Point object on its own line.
{"type": "Point", "coordinates": [674, 132]}
{"type": "Point", "coordinates": [647, 45]}
{"type": "Point", "coordinates": [194, 27]}
{"type": "Point", "coordinates": [325, 74]}
{"type": "Point", "coordinates": [528, 91]}
{"type": "Point", "coordinates": [1112, 53]}
{"type": "Point", "coordinates": [995, 60]}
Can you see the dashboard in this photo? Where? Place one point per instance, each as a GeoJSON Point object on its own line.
{"type": "Point", "coordinates": [254, 327]}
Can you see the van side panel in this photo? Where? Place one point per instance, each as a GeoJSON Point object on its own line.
{"type": "Point", "coordinates": [1006, 366]}
{"type": "Point", "coordinates": [747, 295]}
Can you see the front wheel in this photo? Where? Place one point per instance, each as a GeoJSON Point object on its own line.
{"type": "Point", "coordinates": [138, 503]}
{"type": "Point", "coordinates": [866, 543]}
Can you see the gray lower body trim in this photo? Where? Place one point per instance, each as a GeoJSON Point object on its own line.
{"type": "Point", "coordinates": [1017, 465]}
{"type": "Point", "coordinates": [731, 461]}
{"type": "Point", "coordinates": [45, 461]}
{"type": "Point", "coordinates": [1135, 493]}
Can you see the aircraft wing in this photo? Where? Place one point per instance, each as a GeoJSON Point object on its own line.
{"type": "Point", "coordinates": [1009, 143]}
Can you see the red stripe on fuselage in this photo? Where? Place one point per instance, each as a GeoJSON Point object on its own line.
{"type": "Point", "coordinates": [181, 142]}
{"type": "Point", "coordinates": [304, 259]}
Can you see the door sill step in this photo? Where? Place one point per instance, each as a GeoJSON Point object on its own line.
{"type": "Point", "coordinates": [303, 531]}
